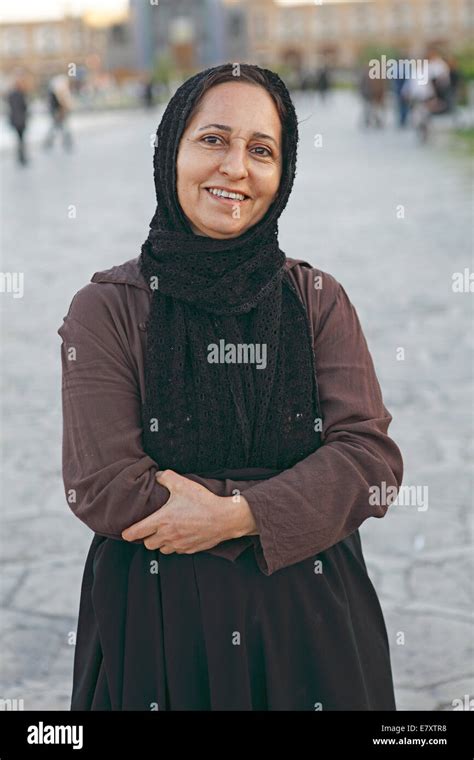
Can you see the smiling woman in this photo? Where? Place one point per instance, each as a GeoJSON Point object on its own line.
{"type": "Point", "coordinates": [226, 570]}
{"type": "Point", "coordinates": [249, 159]}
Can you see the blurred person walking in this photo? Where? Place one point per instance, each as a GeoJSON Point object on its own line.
{"type": "Point", "coordinates": [402, 102]}
{"type": "Point", "coordinates": [148, 93]}
{"type": "Point", "coordinates": [60, 105]}
{"type": "Point", "coordinates": [372, 92]}
{"type": "Point", "coordinates": [323, 81]}
{"type": "Point", "coordinates": [440, 76]}
{"type": "Point", "coordinates": [18, 114]}
{"type": "Point", "coordinates": [428, 96]}
{"type": "Point", "coordinates": [455, 83]}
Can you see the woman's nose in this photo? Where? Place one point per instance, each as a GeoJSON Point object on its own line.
{"type": "Point", "coordinates": [235, 161]}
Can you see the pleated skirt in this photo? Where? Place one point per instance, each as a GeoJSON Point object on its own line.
{"type": "Point", "coordinates": [199, 632]}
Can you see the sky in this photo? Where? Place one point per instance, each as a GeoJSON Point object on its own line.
{"type": "Point", "coordinates": [29, 10]}
{"type": "Point", "coordinates": [32, 10]}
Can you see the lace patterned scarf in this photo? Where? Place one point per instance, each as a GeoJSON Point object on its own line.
{"type": "Point", "coordinates": [229, 366]}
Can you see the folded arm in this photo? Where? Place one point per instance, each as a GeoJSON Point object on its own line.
{"type": "Point", "coordinates": [325, 497]}
{"type": "Point", "coordinates": [109, 480]}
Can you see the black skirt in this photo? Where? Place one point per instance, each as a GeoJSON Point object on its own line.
{"type": "Point", "coordinates": [199, 632]}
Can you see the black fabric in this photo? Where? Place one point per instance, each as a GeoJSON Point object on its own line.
{"type": "Point", "coordinates": [203, 633]}
{"type": "Point", "coordinates": [201, 416]}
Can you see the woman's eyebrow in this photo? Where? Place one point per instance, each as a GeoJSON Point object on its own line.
{"type": "Point", "coordinates": [226, 128]}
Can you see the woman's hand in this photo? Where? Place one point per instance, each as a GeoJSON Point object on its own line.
{"type": "Point", "coordinates": [192, 520]}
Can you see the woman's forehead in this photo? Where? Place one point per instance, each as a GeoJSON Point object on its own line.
{"type": "Point", "coordinates": [238, 105]}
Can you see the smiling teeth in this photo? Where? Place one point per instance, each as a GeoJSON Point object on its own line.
{"type": "Point", "coordinates": [225, 194]}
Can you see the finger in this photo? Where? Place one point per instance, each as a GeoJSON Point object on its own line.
{"type": "Point", "coordinates": [167, 549]}
{"type": "Point", "coordinates": [140, 529]}
{"type": "Point", "coordinates": [153, 542]}
{"type": "Point", "coordinates": [170, 479]}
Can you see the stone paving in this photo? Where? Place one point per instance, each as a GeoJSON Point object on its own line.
{"type": "Point", "coordinates": [391, 220]}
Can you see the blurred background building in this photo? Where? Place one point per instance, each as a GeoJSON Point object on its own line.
{"type": "Point", "coordinates": [168, 39]}
{"type": "Point", "coordinates": [301, 32]}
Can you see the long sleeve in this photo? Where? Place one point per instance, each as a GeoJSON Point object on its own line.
{"type": "Point", "coordinates": [325, 497]}
{"type": "Point", "coordinates": [109, 480]}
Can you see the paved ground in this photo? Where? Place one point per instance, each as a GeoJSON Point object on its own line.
{"type": "Point", "coordinates": [344, 217]}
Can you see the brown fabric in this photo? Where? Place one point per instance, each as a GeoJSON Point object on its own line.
{"type": "Point", "coordinates": [300, 511]}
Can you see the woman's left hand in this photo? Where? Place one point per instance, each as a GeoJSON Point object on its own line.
{"type": "Point", "coordinates": [192, 520]}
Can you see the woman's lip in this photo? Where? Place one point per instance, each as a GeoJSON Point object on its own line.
{"type": "Point", "coordinates": [231, 201]}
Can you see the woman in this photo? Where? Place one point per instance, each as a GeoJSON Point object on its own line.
{"type": "Point", "coordinates": [232, 578]}
{"type": "Point", "coordinates": [18, 114]}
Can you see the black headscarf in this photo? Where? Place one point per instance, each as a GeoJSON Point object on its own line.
{"type": "Point", "coordinates": [200, 416]}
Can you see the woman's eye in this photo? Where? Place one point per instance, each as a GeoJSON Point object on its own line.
{"type": "Point", "coordinates": [262, 147]}
{"type": "Point", "coordinates": [216, 140]}
{"type": "Point", "coordinates": [211, 137]}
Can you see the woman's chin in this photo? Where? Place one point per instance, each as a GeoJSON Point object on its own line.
{"type": "Point", "coordinates": [220, 228]}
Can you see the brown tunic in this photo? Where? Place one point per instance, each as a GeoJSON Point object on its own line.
{"type": "Point", "coordinates": [311, 510]}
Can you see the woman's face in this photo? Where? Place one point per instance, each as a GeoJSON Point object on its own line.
{"type": "Point", "coordinates": [232, 143]}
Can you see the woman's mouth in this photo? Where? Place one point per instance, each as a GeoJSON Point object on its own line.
{"type": "Point", "coordinates": [226, 196]}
